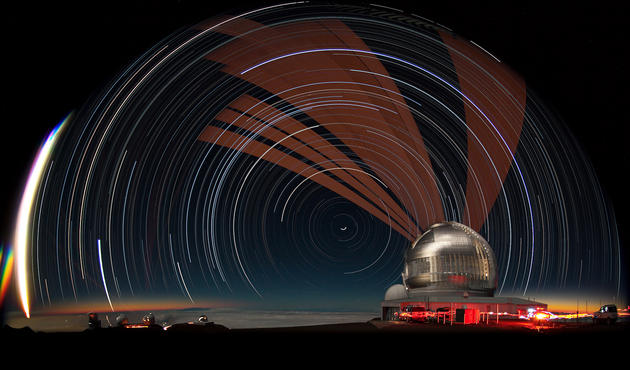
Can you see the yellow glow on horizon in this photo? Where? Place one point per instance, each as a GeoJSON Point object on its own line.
{"type": "Point", "coordinates": [136, 305]}
{"type": "Point", "coordinates": [577, 303]}
{"type": "Point", "coordinates": [21, 237]}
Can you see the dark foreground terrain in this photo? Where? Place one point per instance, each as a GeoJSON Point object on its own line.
{"type": "Point", "coordinates": [356, 345]}
{"type": "Point", "coordinates": [375, 332]}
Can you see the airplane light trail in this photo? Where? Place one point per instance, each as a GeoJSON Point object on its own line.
{"type": "Point", "coordinates": [100, 262]}
{"type": "Point", "coordinates": [22, 230]}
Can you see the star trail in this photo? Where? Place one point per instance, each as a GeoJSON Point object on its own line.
{"type": "Point", "coordinates": [294, 152]}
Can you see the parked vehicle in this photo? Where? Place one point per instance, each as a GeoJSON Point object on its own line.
{"type": "Point", "coordinates": [606, 314]}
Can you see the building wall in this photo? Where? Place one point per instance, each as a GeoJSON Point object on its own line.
{"type": "Point", "coordinates": [483, 307]}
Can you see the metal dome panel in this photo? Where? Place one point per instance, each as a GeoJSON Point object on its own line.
{"type": "Point", "coordinates": [450, 258]}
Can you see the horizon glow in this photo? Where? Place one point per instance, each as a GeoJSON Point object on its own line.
{"type": "Point", "coordinates": [21, 241]}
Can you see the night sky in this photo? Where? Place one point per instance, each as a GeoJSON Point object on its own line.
{"type": "Point", "coordinates": [61, 59]}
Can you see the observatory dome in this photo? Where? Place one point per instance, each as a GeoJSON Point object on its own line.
{"type": "Point", "coordinates": [396, 291]}
{"type": "Point", "coordinates": [450, 258]}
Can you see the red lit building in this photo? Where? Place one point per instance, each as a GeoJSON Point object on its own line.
{"type": "Point", "coordinates": [451, 270]}
{"type": "Point", "coordinates": [509, 307]}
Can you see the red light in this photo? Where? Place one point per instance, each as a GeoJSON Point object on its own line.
{"type": "Point", "coordinates": [457, 279]}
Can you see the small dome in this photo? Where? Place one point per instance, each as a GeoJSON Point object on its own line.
{"type": "Point", "coordinates": [397, 291]}
{"type": "Point", "coordinates": [122, 320]}
{"type": "Point", "coordinates": [450, 258]}
{"type": "Point", "coordinates": [149, 319]}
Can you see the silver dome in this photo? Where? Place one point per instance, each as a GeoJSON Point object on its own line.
{"type": "Point", "coordinates": [396, 291]}
{"type": "Point", "coordinates": [450, 258]}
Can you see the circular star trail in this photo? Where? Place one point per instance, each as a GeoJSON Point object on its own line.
{"type": "Point", "coordinates": [294, 152]}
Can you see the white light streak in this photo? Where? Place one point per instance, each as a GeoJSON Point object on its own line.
{"type": "Point", "coordinates": [183, 282]}
{"type": "Point", "coordinates": [22, 242]}
{"type": "Point", "coordinates": [100, 262]}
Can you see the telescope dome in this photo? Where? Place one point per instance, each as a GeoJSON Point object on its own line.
{"type": "Point", "coordinates": [397, 291]}
{"type": "Point", "coordinates": [450, 258]}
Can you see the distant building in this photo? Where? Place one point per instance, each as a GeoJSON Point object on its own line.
{"type": "Point", "coordinates": [93, 321]}
{"type": "Point", "coordinates": [448, 268]}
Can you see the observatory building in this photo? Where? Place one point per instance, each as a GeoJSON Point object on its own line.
{"type": "Point", "coordinates": [451, 267]}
